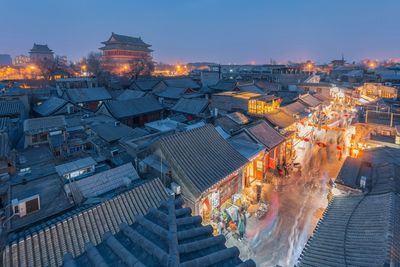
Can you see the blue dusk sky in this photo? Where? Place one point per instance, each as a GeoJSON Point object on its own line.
{"type": "Point", "coordinates": [222, 31]}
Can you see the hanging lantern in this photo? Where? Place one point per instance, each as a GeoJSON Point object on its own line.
{"type": "Point", "coordinates": [306, 140]}
{"type": "Point", "coordinates": [339, 148]}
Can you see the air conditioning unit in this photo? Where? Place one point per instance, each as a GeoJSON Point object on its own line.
{"type": "Point", "coordinates": [26, 206]}
{"type": "Point", "coordinates": [117, 123]}
{"type": "Point", "coordinates": [114, 152]}
{"type": "Point", "coordinates": [176, 188]}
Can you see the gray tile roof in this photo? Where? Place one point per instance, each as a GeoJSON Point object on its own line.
{"type": "Point", "coordinates": [133, 107]}
{"type": "Point", "coordinates": [111, 132]}
{"type": "Point", "coordinates": [4, 146]}
{"type": "Point", "coordinates": [40, 48]}
{"type": "Point", "coordinates": [184, 82]}
{"type": "Point", "coordinates": [106, 181]}
{"type": "Point", "coordinates": [296, 108]}
{"type": "Point", "coordinates": [50, 105]}
{"type": "Point", "coordinates": [309, 100]}
{"type": "Point", "coordinates": [238, 117]}
{"type": "Point", "coordinates": [129, 94]}
{"type": "Point", "coordinates": [191, 106]}
{"type": "Point", "coordinates": [11, 108]}
{"type": "Point", "coordinates": [281, 119]}
{"type": "Point", "coordinates": [381, 166]}
{"type": "Point", "coordinates": [75, 165]}
{"type": "Point", "coordinates": [83, 95]}
{"type": "Point", "coordinates": [5, 124]}
{"type": "Point", "coordinates": [361, 230]}
{"type": "Point", "coordinates": [172, 92]}
{"type": "Point", "coordinates": [45, 124]}
{"type": "Point", "coordinates": [224, 85]}
{"type": "Point", "coordinates": [46, 246]}
{"type": "Point", "coordinates": [167, 236]}
{"type": "Point", "coordinates": [266, 135]}
{"type": "Point", "coordinates": [145, 85]}
{"type": "Point", "coordinates": [201, 156]}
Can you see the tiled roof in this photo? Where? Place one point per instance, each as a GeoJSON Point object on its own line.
{"type": "Point", "coordinates": [167, 236]}
{"type": "Point", "coordinates": [224, 85]}
{"type": "Point", "coordinates": [83, 95]}
{"type": "Point", "coordinates": [238, 117]}
{"type": "Point", "coordinates": [50, 105]}
{"type": "Point", "coordinates": [75, 165]}
{"type": "Point", "coordinates": [39, 48]}
{"type": "Point", "coordinates": [106, 181]}
{"type": "Point", "coordinates": [4, 145]}
{"type": "Point", "coordinates": [266, 135]}
{"type": "Point", "coordinates": [47, 246]}
{"type": "Point", "coordinates": [309, 100]}
{"type": "Point", "coordinates": [172, 92]}
{"type": "Point", "coordinates": [191, 106]}
{"type": "Point", "coordinates": [381, 167]}
{"type": "Point", "coordinates": [119, 38]}
{"type": "Point", "coordinates": [228, 125]}
{"type": "Point", "coordinates": [361, 230]}
{"type": "Point", "coordinates": [201, 157]}
{"type": "Point", "coordinates": [110, 131]}
{"type": "Point", "coordinates": [8, 108]}
{"type": "Point", "coordinates": [281, 119]}
{"type": "Point", "coordinates": [145, 85]}
{"type": "Point", "coordinates": [129, 94]}
{"type": "Point", "coordinates": [296, 108]}
{"type": "Point", "coordinates": [44, 124]}
{"type": "Point", "coordinates": [181, 83]}
{"type": "Point", "coordinates": [4, 124]}
{"type": "Point", "coordinates": [133, 107]}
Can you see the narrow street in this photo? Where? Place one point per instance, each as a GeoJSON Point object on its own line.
{"type": "Point", "coordinates": [296, 204]}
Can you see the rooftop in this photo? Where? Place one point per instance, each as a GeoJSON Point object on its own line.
{"type": "Point", "coordinates": [103, 182]}
{"type": "Point", "coordinates": [75, 165]}
{"type": "Point", "coordinates": [49, 242]}
{"type": "Point", "coordinates": [190, 151]}
{"type": "Point", "coordinates": [39, 125]}
{"type": "Point", "coordinates": [40, 48]}
{"type": "Point", "coordinates": [191, 106]}
{"type": "Point", "coordinates": [133, 107]}
{"type": "Point", "coordinates": [50, 105]}
{"type": "Point", "coordinates": [167, 236]}
{"type": "Point", "coordinates": [356, 230]}
{"type": "Point", "coordinates": [83, 95]}
{"type": "Point", "coordinates": [112, 131]}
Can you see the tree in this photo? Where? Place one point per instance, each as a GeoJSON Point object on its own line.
{"type": "Point", "coordinates": [47, 67]}
{"type": "Point", "coordinates": [93, 63]}
{"type": "Point", "coordinates": [136, 68]}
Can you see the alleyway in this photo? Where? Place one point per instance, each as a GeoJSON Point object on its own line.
{"type": "Point", "coordinates": [295, 207]}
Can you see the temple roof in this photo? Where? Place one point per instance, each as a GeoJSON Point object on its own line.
{"type": "Point", "coordinates": [38, 48]}
{"type": "Point", "coordinates": [123, 42]}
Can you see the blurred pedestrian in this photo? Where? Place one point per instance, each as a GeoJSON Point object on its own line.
{"type": "Point", "coordinates": [241, 227]}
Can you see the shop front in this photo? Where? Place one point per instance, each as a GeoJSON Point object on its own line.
{"type": "Point", "coordinates": [221, 196]}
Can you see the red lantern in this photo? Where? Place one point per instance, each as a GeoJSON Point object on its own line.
{"type": "Point", "coordinates": [306, 140]}
{"type": "Point", "coordinates": [339, 148]}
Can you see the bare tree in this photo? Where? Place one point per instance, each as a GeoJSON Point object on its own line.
{"type": "Point", "coordinates": [47, 67]}
{"type": "Point", "coordinates": [138, 68]}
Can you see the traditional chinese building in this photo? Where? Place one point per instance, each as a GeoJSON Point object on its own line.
{"type": "Point", "coordinates": [119, 50]}
{"type": "Point", "coordinates": [41, 53]}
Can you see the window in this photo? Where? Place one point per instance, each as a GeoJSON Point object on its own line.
{"type": "Point", "coordinates": [259, 165]}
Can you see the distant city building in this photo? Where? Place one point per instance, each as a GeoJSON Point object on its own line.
{"type": "Point", "coordinates": [40, 53]}
{"type": "Point", "coordinates": [120, 49]}
{"type": "Point", "coordinates": [5, 60]}
{"type": "Point", "coordinates": [21, 60]}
